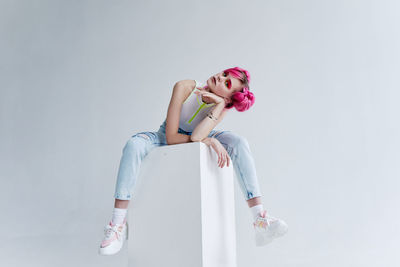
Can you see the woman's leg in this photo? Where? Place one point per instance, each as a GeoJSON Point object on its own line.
{"type": "Point", "coordinates": [266, 227]}
{"type": "Point", "coordinates": [121, 204]}
{"type": "Point", "coordinates": [254, 201]}
{"type": "Point", "coordinates": [135, 150]}
{"type": "Point", "coordinates": [242, 160]}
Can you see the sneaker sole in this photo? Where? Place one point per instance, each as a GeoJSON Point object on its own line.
{"type": "Point", "coordinates": [262, 240]}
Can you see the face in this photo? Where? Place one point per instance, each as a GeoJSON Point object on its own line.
{"type": "Point", "coordinates": [224, 85]}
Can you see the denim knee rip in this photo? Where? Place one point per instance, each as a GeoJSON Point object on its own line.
{"type": "Point", "coordinates": [217, 133]}
{"type": "Point", "coordinates": [149, 136]}
{"type": "Point", "coordinates": [143, 135]}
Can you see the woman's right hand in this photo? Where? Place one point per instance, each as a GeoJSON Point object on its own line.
{"type": "Point", "coordinates": [223, 156]}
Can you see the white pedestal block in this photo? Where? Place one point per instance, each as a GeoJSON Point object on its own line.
{"type": "Point", "coordinates": [182, 211]}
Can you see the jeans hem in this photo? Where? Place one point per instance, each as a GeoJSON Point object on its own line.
{"type": "Point", "coordinates": [120, 197]}
{"type": "Point", "coordinates": [251, 195]}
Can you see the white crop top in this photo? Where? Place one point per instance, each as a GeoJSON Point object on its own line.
{"type": "Point", "coordinates": [194, 110]}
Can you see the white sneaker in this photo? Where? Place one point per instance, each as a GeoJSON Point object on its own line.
{"type": "Point", "coordinates": [114, 236]}
{"type": "Point", "coordinates": [267, 228]}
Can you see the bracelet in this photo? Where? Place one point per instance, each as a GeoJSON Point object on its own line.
{"type": "Point", "coordinates": [211, 116]}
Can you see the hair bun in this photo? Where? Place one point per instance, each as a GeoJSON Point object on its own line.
{"type": "Point", "coordinates": [248, 93]}
{"type": "Point", "coordinates": [243, 100]}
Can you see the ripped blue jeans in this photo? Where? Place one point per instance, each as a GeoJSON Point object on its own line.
{"type": "Point", "coordinates": [140, 144]}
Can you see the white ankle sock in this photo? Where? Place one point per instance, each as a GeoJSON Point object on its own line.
{"type": "Point", "coordinates": [256, 210]}
{"type": "Point", "coordinates": [118, 215]}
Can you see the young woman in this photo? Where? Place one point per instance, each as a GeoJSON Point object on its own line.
{"type": "Point", "coordinates": [194, 110]}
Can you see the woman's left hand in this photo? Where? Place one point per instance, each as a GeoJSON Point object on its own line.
{"type": "Point", "coordinates": [210, 96]}
{"type": "Point", "coordinates": [223, 156]}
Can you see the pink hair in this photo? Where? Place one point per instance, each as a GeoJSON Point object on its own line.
{"type": "Point", "coordinates": [244, 99]}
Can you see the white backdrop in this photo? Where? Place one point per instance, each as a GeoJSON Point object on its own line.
{"type": "Point", "coordinates": [78, 78]}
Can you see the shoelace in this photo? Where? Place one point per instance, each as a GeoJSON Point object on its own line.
{"type": "Point", "coordinates": [110, 230]}
{"type": "Point", "coordinates": [264, 222]}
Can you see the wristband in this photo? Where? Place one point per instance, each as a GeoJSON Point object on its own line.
{"type": "Point", "coordinates": [211, 116]}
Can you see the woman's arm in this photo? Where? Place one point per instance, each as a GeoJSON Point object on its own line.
{"type": "Point", "coordinates": [204, 128]}
{"type": "Point", "coordinates": [179, 94]}
{"type": "Point", "coordinates": [179, 138]}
